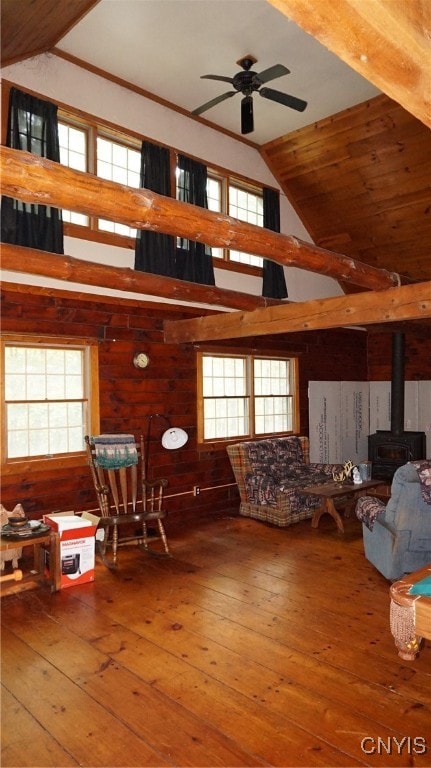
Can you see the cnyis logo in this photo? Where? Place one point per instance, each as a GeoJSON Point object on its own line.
{"type": "Point", "coordinates": [391, 745]}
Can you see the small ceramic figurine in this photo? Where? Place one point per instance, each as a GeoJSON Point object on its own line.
{"type": "Point", "coordinates": [10, 554]}
{"type": "Point", "coordinates": [357, 479]}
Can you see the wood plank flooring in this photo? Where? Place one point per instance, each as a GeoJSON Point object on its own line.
{"type": "Point", "coordinates": [250, 646]}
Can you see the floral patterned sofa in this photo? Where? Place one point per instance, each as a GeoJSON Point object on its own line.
{"type": "Point", "coordinates": [270, 474]}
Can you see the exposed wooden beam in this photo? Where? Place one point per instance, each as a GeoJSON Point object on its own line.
{"type": "Point", "coordinates": [35, 180]}
{"type": "Point", "coordinates": [408, 302]}
{"type": "Point", "coordinates": [16, 258]}
{"type": "Point", "coordinates": [386, 41]}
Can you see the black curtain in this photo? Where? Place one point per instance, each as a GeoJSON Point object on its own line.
{"type": "Point", "coordinates": [32, 127]}
{"type": "Point", "coordinates": [274, 282]}
{"type": "Point", "coordinates": [194, 260]}
{"type": "Point", "coordinates": [154, 251]}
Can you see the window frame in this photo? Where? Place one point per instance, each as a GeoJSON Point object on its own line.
{"type": "Point", "coordinates": [227, 182]}
{"type": "Point", "coordinates": [93, 127]}
{"type": "Point", "coordinates": [11, 466]}
{"type": "Point", "coordinates": [128, 146]}
{"type": "Point", "coordinates": [97, 129]}
{"type": "Point", "coordinates": [249, 358]}
{"type": "Point", "coordinates": [251, 189]}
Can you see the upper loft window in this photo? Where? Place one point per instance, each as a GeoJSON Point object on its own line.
{"type": "Point", "coordinates": [73, 153]}
{"type": "Point", "coordinates": [215, 203]}
{"type": "Point", "coordinates": [240, 200]}
{"type": "Point", "coordinates": [114, 160]}
{"type": "Point", "coordinates": [87, 147]}
{"type": "Point", "coordinates": [246, 204]}
{"type": "Point", "coordinates": [122, 164]}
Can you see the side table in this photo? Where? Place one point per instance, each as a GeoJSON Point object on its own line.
{"type": "Point", "coordinates": [410, 615]}
{"type": "Point", "coordinates": [346, 494]}
{"type": "Point", "coordinates": [382, 492]}
{"type": "Point", "coordinates": [17, 581]}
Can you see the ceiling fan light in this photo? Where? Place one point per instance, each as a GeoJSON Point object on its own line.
{"type": "Point", "coordinates": [247, 122]}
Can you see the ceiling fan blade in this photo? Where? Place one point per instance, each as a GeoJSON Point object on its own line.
{"type": "Point", "coordinates": [283, 98]}
{"type": "Point", "coordinates": [247, 122]}
{"type": "Point", "coordinates": [213, 102]}
{"type": "Point", "coordinates": [217, 77]}
{"type": "Point", "coordinates": [278, 70]}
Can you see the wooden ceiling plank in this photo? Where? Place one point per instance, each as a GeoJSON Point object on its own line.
{"type": "Point", "coordinates": [370, 205]}
{"type": "Point", "coordinates": [35, 180]}
{"type": "Point", "coordinates": [382, 42]}
{"type": "Point", "coordinates": [409, 302]}
{"type": "Point", "coordinates": [332, 126]}
{"type": "Point", "coordinates": [356, 144]}
{"type": "Point", "coordinates": [29, 27]}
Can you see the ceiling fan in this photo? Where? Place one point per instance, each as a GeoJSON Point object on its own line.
{"type": "Point", "coordinates": [246, 82]}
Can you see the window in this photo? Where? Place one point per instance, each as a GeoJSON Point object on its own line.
{"type": "Point", "coordinates": [116, 156]}
{"type": "Point", "coordinates": [246, 396]}
{"type": "Point", "coordinates": [246, 205]}
{"type": "Point", "coordinates": [121, 164]}
{"type": "Point", "coordinates": [73, 153]}
{"type": "Point", "coordinates": [214, 197]}
{"type": "Point", "coordinates": [243, 202]}
{"type": "Point", "coordinates": [50, 398]}
{"type": "Point", "coordinates": [114, 159]}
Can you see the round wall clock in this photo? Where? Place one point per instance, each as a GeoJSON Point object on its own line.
{"type": "Point", "coordinates": [141, 360]}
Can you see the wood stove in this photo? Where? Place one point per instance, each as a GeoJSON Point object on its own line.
{"type": "Point", "coordinates": [390, 449]}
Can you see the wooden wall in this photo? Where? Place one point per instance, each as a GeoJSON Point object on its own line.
{"type": "Point", "coordinates": [168, 386]}
{"type": "Point", "coordinates": [417, 355]}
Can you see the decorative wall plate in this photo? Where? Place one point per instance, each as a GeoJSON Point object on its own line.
{"type": "Point", "coordinates": [141, 360]}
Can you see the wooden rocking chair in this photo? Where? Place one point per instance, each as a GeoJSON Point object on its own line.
{"type": "Point", "coordinates": [126, 498]}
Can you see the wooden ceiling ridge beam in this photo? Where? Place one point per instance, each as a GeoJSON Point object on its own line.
{"type": "Point", "coordinates": [407, 302]}
{"type": "Point", "coordinates": [385, 42]}
{"type": "Point", "coordinates": [17, 258]}
{"type": "Point", "coordinates": [33, 179]}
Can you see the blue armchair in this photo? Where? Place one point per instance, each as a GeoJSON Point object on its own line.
{"type": "Point", "coordinates": [397, 537]}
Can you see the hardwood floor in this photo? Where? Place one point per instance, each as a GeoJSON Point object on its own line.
{"type": "Point", "coordinates": [251, 646]}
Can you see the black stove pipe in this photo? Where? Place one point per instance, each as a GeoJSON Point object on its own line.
{"type": "Point", "coordinates": [397, 384]}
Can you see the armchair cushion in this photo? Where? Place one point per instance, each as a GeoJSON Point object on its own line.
{"type": "Point", "coordinates": [424, 472]}
{"type": "Point", "coordinates": [368, 508]}
{"type": "Point", "coordinates": [261, 489]}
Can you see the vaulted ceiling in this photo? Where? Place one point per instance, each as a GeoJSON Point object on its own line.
{"type": "Point", "coordinates": [359, 178]}
{"type": "Point", "coordinates": [360, 181]}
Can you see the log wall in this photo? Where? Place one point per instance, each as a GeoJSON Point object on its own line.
{"type": "Point", "coordinates": [167, 386]}
{"type": "Point", "coordinates": [417, 351]}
